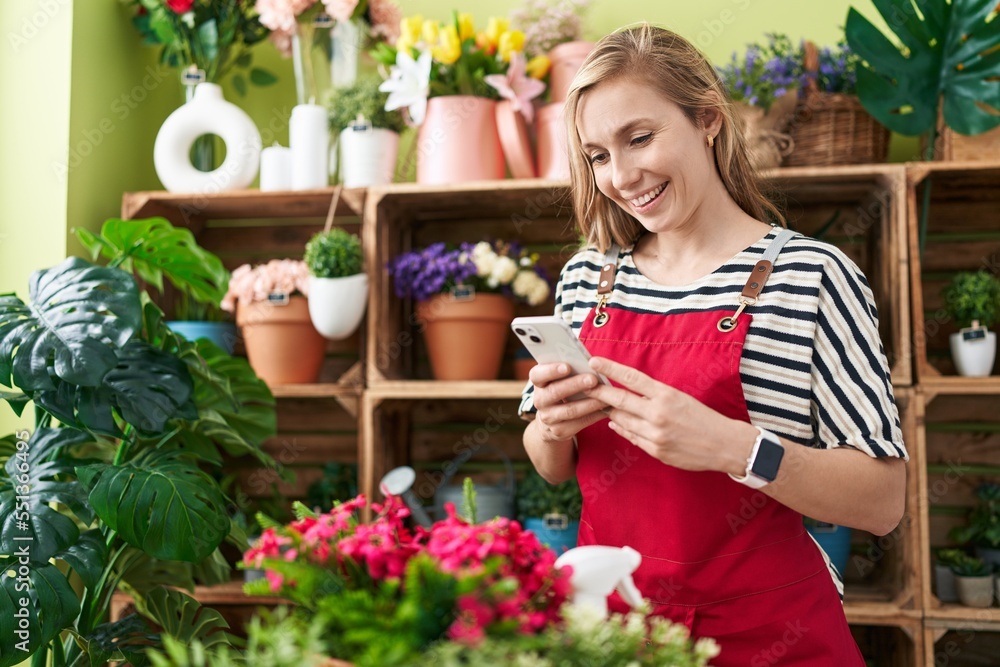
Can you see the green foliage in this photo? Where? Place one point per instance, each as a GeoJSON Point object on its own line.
{"type": "Point", "coordinates": [969, 566]}
{"type": "Point", "coordinates": [536, 498]}
{"type": "Point", "coordinates": [947, 59]}
{"type": "Point", "coordinates": [949, 557]}
{"type": "Point", "coordinates": [363, 98]}
{"type": "Point", "coordinates": [339, 483]}
{"type": "Point", "coordinates": [983, 527]}
{"type": "Point", "coordinates": [120, 483]}
{"type": "Point", "coordinates": [334, 254]}
{"type": "Point", "coordinates": [469, 509]}
{"type": "Point", "coordinates": [586, 639]}
{"type": "Point", "coordinates": [973, 296]}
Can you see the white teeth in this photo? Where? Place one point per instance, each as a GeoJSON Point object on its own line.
{"type": "Point", "coordinates": [648, 197]}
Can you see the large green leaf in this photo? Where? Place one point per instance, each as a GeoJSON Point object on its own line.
{"type": "Point", "coordinates": [147, 388]}
{"type": "Point", "coordinates": [87, 557]}
{"type": "Point", "coordinates": [77, 316]}
{"type": "Point", "coordinates": [123, 640]}
{"type": "Point", "coordinates": [183, 617]}
{"type": "Point", "coordinates": [154, 248]}
{"type": "Point", "coordinates": [39, 595]}
{"type": "Point", "coordinates": [949, 55]}
{"type": "Point", "coordinates": [143, 573]}
{"type": "Point", "coordinates": [43, 466]}
{"type": "Point", "coordinates": [161, 503]}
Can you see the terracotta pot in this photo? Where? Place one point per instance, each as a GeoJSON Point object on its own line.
{"type": "Point", "coordinates": [282, 344]}
{"type": "Point", "coordinates": [466, 338]}
{"type": "Point", "coordinates": [553, 162]}
{"type": "Point", "coordinates": [458, 141]}
{"type": "Point", "coordinates": [566, 61]}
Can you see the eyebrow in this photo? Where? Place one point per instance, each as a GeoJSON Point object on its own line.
{"type": "Point", "coordinates": [624, 129]}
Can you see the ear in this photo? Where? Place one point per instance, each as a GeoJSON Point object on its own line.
{"type": "Point", "coordinates": [711, 117]}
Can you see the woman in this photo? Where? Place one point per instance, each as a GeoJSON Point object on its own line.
{"type": "Point", "coordinates": [749, 384]}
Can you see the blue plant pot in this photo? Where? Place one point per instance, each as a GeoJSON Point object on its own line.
{"type": "Point", "coordinates": [222, 334]}
{"type": "Point", "coordinates": [835, 541]}
{"type": "Point", "coordinates": [559, 540]}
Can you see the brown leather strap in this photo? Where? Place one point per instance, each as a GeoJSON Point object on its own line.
{"type": "Point", "coordinates": [606, 281]}
{"type": "Point", "coordinates": [758, 277]}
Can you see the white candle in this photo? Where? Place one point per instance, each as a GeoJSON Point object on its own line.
{"type": "Point", "coordinates": [276, 168]}
{"type": "Point", "coordinates": [310, 145]}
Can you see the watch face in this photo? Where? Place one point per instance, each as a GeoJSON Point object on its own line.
{"type": "Point", "coordinates": [768, 459]}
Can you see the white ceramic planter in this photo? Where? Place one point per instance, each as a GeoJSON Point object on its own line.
{"type": "Point", "coordinates": [368, 157]}
{"type": "Point", "coordinates": [336, 305]}
{"type": "Point", "coordinates": [974, 358]}
{"type": "Point", "coordinates": [944, 583]}
{"type": "Point", "coordinates": [975, 591]}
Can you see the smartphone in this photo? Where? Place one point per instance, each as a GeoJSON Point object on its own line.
{"type": "Point", "coordinates": [551, 341]}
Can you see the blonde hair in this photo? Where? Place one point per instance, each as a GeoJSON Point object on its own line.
{"type": "Point", "coordinates": [668, 62]}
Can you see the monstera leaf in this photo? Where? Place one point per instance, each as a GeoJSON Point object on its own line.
{"type": "Point", "coordinates": [950, 51]}
{"type": "Point", "coordinates": [79, 313]}
{"type": "Point", "coordinates": [182, 617]}
{"type": "Point", "coordinates": [147, 388]}
{"type": "Point", "coordinates": [42, 467]}
{"type": "Point", "coordinates": [52, 606]}
{"type": "Point", "coordinates": [123, 640]}
{"type": "Point", "coordinates": [154, 248]}
{"type": "Point", "coordinates": [161, 503]}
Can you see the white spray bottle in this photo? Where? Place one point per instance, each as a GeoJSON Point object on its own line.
{"type": "Point", "coordinates": [600, 570]}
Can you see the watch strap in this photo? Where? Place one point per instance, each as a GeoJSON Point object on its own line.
{"type": "Point", "coordinates": [749, 479]}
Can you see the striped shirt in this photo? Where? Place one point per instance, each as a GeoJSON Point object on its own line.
{"type": "Point", "coordinates": [813, 368]}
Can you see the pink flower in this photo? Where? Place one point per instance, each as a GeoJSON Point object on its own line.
{"type": "Point", "coordinates": [281, 14]}
{"type": "Point", "coordinates": [180, 6]}
{"type": "Point", "coordinates": [340, 10]}
{"type": "Point", "coordinates": [282, 40]}
{"type": "Point", "coordinates": [276, 580]}
{"type": "Point", "coordinates": [279, 276]}
{"type": "Point", "coordinates": [385, 16]}
{"type": "Point", "coordinates": [517, 86]}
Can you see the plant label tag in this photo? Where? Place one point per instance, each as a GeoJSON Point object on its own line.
{"type": "Point", "coordinates": [278, 299]}
{"type": "Point", "coordinates": [973, 333]}
{"type": "Point", "coordinates": [323, 20]}
{"type": "Point", "coordinates": [463, 292]}
{"type": "Point", "coordinates": [556, 521]}
{"type": "Point", "coordinates": [192, 76]}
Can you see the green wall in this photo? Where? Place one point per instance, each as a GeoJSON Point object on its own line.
{"type": "Point", "coordinates": [83, 99]}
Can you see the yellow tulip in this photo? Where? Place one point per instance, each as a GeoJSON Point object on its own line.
{"type": "Point", "coordinates": [449, 47]}
{"type": "Point", "coordinates": [409, 28]}
{"type": "Point", "coordinates": [485, 45]}
{"type": "Point", "coordinates": [538, 67]}
{"type": "Point", "coordinates": [496, 27]}
{"type": "Point", "coordinates": [466, 28]}
{"type": "Point", "coordinates": [510, 41]}
{"type": "Point", "coordinates": [430, 31]}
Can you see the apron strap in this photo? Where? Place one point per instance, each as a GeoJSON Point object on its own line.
{"type": "Point", "coordinates": [758, 278]}
{"type": "Point", "coordinates": [605, 284]}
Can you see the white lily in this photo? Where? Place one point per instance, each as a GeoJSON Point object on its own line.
{"type": "Point", "coordinates": [409, 84]}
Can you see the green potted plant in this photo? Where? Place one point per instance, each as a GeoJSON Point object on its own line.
{"type": "Point", "coordinates": [973, 303]}
{"type": "Point", "coordinates": [198, 276]}
{"type": "Point", "coordinates": [944, 577]}
{"type": "Point", "coordinates": [128, 419]}
{"type": "Point", "coordinates": [338, 285]}
{"type": "Point", "coordinates": [552, 512]}
{"type": "Point", "coordinates": [983, 528]}
{"type": "Point", "coordinates": [368, 134]}
{"type": "Point", "coordinates": [974, 581]}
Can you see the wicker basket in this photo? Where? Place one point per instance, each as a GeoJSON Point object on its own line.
{"type": "Point", "coordinates": [833, 128]}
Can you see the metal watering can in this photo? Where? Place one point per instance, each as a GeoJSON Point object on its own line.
{"type": "Point", "coordinates": [492, 500]}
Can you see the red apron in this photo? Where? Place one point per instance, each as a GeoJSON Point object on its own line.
{"type": "Point", "coordinates": [725, 560]}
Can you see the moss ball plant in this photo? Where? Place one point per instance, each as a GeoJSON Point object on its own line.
{"type": "Point", "coordinates": [334, 254]}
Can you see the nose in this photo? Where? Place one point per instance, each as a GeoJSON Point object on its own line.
{"type": "Point", "coordinates": [624, 173]}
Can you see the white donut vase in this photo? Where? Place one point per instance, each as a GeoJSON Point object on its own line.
{"type": "Point", "coordinates": [207, 113]}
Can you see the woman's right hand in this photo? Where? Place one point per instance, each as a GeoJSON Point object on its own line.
{"type": "Point", "coordinates": [558, 417]}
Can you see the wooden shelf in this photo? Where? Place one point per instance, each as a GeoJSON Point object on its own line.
{"type": "Point", "coordinates": [956, 613]}
{"type": "Point", "coordinates": [869, 612]}
{"type": "Point", "coordinates": [231, 593]}
{"type": "Point", "coordinates": [418, 389]}
{"type": "Point", "coordinates": [315, 390]}
{"type": "Point", "coordinates": [952, 384]}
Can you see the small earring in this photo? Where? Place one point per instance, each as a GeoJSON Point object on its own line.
{"type": "Point", "coordinates": [711, 141]}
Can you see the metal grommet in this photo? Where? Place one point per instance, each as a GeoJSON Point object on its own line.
{"type": "Point", "coordinates": [601, 319]}
{"type": "Point", "coordinates": [726, 324]}
{"type": "Point", "coordinates": [604, 283]}
{"type": "Point", "coordinates": [762, 269]}
{"type": "Point", "coordinates": [754, 285]}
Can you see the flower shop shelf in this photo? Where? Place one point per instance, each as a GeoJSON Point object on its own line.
{"type": "Point", "coordinates": [315, 390]}
{"type": "Point", "coordinates": [895, 644]}
{"type": "Point", "coordinates": [968, 643]}
{"type": "Point", "coordinates": [416, 389]}
{"type": "Point", "coordinates": [858, 208]}
{"type": "Point", "coordinates": [963, 234]}
{"type": "Point", "coordinates": [950, 613]}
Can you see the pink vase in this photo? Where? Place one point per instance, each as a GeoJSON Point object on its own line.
{"type": "Point", "coordinates": [553, 162]}
{"type": "Point", "coordinates": [458, 141]}
{"type": "Point", "coordinates": [566, 61]}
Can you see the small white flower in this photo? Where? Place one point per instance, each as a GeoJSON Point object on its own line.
{"type": "Point", "coordinates": [504, 270]}
{"type": "Point", "coordinates": [409, 84]}
{"type": "Point", "coordinates": [492, 283]}
{"type": "Point", "coordinates": [484, 264]}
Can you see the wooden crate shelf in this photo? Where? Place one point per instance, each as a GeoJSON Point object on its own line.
{"type": "Point", "coordinates": [889, 642]}
{"type": "Point", "coordinates": [963, 234]}
{"type": "Point", "coordinates": [958, 643]}
{"type": "Point", "coordinates": [417, 389]}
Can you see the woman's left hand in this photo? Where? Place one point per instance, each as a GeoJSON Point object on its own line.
{"type": "Point", "coordinates": [668, 424]}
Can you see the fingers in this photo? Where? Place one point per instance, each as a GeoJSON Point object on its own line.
{"type": "Point", "coordinates": [628, 377]}
{"type": "Point", "coordinates": [542, 374]}
{"type": "Point", "coordinates": [559, 390]}
{"type": "Point", "coordinates": [573, 410]}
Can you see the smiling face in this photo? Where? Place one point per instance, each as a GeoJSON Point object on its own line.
{"type": "Point", "coordinates": [646, 155]}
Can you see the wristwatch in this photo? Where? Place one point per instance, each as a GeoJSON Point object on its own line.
{"type": "Point", "coordinates": [764, 461]}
